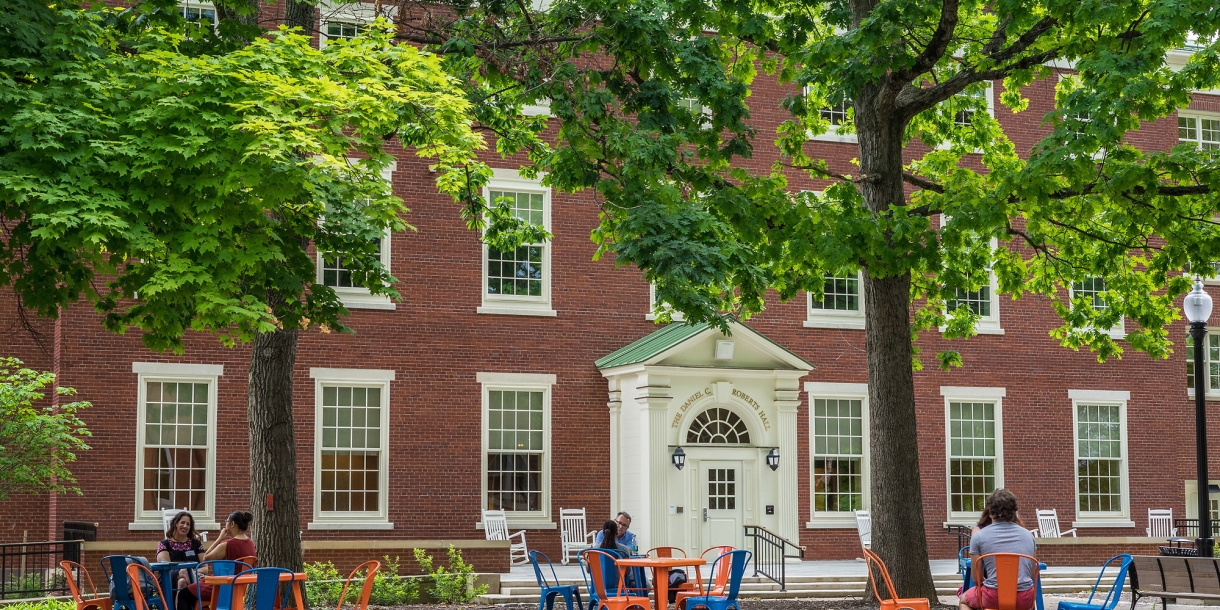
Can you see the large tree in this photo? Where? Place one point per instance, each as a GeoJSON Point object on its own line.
{"type": "Point", "coordinates": [181, 179]}
{"type": "Point", "coordinates": [650, 99]}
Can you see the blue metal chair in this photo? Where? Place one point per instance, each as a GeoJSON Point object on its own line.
{"type": "Point", "coordinates": [262, 595]}
{"type": "Point", "coordinates": [551, 588]}
{"type": "Point", "coordinates": [963, 567]}
{"type": "Point", "coordinates": [224, 593]}
{"type": "Point", "coordinates": [115, 569]}
{"type": "Point", "coordinates": [737, 569]}
{"type": "Point", "coordinates": [1116, 590]}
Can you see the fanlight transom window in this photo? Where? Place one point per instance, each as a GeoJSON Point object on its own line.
{"type": "Point", "coordinates": [718, 426]}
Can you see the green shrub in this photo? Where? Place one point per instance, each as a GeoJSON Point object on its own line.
{"type": "Point", "coordinates": [31, 585]}
{"type": "Point", "coordinates": [325, 584]}
{"type": "Point", "coordinates": [42, 604]}
{"type": "Point", "coordinates": [452, 585]}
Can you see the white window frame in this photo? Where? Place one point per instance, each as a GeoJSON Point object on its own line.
{"type": "Point", "coordinates": [358, 297]}
{"type": "Point", "coordinates": [1102, 398]}
{"type": "Point", "coordinates": [834, 318]}
{"type": "Point", "coordinates": [202, 5]}
{"type": "Point", "coordinates": [363, 378]}
{"type": "Point", "coordinates": [839, 391]}
{"type": "Point", "coordinates": [1192, 496]}
{"type": "Point", "coordinates": [987, 325]}
{"type": "Point", "coordinates": [832, 133]}
{"type": "Point", "coordinates": [1209, 394]}
{"type": "Point", "coordinates": [989, 96]}
{"type": "Point", "coordinates": [519, 382]}
{"type": "Point", "coordinates": [358, 13]}
{"type": "Point", "coordinates": [171, 372]}
{"type": "Point", "coordinates": [1119, 330]}
{"type": "Point", "coordinates": [972, 394]}
{"type": "Point", "coordinates": [1197, 115]}
{"type": "Point", "coordinates": [514, 305]}
{"type": "Point", "coordinates": [651, 316]}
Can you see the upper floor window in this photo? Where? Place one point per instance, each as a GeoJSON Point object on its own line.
{"type": "Point", "coordinates": [1202, 130]}
{"type": "Point", "coordinates": [837, 115]}
{"type": "Point", "coordinates": [343, 29]}
{"type": "Point", "coordinates": [201, 14]}
{"type": "Point", "coordinates": [1092, 289]}
{"type": "Point", "coordinates": [655, 308]}
{"type": "Point", "coordinates": [1211, 364]}
{"type": "Point", "coordinates": [984, 302]}
{"type": "Point", "coordinates": [518, 281]}
{"type": "Point", "coordinates": [332, 271]}
{"type": "Point", "coordinates": [841, 305]}
{"type": "Point", "coordinates": [838, 434]}
{"type": "Point", "coordinates": [983, 97]}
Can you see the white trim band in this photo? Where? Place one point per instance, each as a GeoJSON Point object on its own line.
{"type": "Point", "coordinates": [532, 379]}
{"type": "Point", "coordinates": [170, 368]}
{"type": "Point", "coordinates": [351, 374]}
{"type": "Point", "coordinates": [1102, 395]}
{"type": "Point", "coordinates": [956, 391]}
{"type": "Point", "coordinates": [817, 387]}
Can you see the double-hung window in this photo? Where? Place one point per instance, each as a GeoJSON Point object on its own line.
{"type": "Point", "coordinates": [839, 472]}
{"type": "Point", "coordinates": [975, 446]}
{"type": "Point", "coordinates": [841, 305]}
{"type": "Point", "coordinates": [343, 28]}
{"type": "Point", "coordinates": [176, 430]}
{"type": "Point", "coordinates": [655, 308]}
{"type": "Point", "coordinates": [1211, 364]}
{"type": "Point", "coordinates": [1101, 458]}
{"type": "Point", "coordinates": [517, 281]}
{"type": "Point", "coordinates": [351, 438]}
{"type": "Point", "coordinates": [517, 445]}
{"type": "Point", "coordinates": [838, 116]}
{"type": "Point", "coordinates": [1199, 128]}
{"type": "Point", "coordinates": [334, 273]}
{"type": "Point", "coordinates": [200, 14]}
{"type": "Point", "coordinates": [1092, 288]}
{"type": "Point", "coordinates": [984, 302]}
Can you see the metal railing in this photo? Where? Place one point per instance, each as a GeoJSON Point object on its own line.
{"type": "Point", "coordinates": [770, 551]}
{"type": "Point", "coordinates": [1189, 528]}
{"type": "Point", "coordinates": [31, 569]}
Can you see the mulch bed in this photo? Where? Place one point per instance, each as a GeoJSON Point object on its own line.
{"type": "Point", "coordinates": [746, 604]}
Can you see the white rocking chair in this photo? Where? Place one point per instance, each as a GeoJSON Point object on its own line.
{"type": "Point", "coordinates": [495, 526]}
{"type": "Point", "coordinates": [574, 533]}
{"type": "Point", "coordinates": [1160, 523]}
{"type": "Point", "coordinates": [1048, 525]}
{"type": "Point", "coordinates": [864, 525]}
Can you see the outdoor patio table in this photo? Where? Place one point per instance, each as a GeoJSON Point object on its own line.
{"type": "Point", "coordinates": [241, 582]}
{"type": "Point", "coordinates": [660, 572]}
{"type": "Point", "coordinates": [165, 573]}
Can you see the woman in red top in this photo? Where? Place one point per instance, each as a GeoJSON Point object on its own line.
{"type": "Point", "coordinates": [233, 543]}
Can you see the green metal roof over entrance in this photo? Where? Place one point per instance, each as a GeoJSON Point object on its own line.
{"type": "Point", "coordinates": [662, 340]}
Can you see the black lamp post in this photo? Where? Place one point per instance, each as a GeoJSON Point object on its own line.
{"type": "Point", "coordinates": [1198, 308]}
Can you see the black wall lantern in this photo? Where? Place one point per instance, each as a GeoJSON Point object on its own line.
{"type": "Point", "coordinates": [773, 459]}
{"type": "Point", "coordinates": [679, 458]}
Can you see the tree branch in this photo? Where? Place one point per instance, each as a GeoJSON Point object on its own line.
{"type": "Point", "coordinates": [922, 183]}
{"type": "Point", "coordinates": [937, 45]}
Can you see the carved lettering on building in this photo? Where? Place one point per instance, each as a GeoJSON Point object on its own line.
{"type": "Point", "coordinates": [746, 398]}
{"type": "Point", "coordinates": [686, 405]}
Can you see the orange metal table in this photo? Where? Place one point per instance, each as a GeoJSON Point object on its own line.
{"type": "Point", "coordinates": [660, 572]}
{"type": "Point", "coordinates": [243, 581]}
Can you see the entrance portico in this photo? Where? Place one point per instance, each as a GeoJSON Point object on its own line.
{"type": "Point", "coordinates": [726, 400]}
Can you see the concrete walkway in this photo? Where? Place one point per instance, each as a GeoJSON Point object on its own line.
{"type": "Point", "coordinates": [940, 567]}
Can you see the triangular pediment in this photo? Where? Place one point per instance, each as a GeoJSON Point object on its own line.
{"type": "Point", "coordinates": [696, 345]}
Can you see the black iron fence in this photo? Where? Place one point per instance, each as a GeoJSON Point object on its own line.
{"type": "Point", "coordinates": [31, 569]}
{"type": "Point", "coordinates": [770, 552]}
{"type": "Point", "coordinates": [1189, 528]}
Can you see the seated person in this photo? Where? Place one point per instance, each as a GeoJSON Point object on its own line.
{"type": "Point", "coordinates": [181, 544]}
{"type": "Point", "coordinates": [232, 544]}
{"type": "Point", "coordinates": [1003, 535]}
{"type": "Point", "coordinates": [609, 539]}
{"type": "Point", "coordinates": [625, 538]}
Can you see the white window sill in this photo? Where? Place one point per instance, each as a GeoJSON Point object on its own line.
{"type": "Point", "coordinates": [366, 301]}
{"type": "Point", "coordinates": [844, 322]}
{"type": "Point", "coordinates": [983, 329]}
{"type": "Point", "coordinates": [1210, 397]}
{"type": "Point", "coordinates": [349, 525]}
{"type": "Point", "coordinates": [526, 523]}
{"type": "Point", "coordinates": [159, 526]}
{"type": "Point", "coordinates": [831, 524]}
{"type": "Point", "coordinates": [508, 310]}
{"type": "Point", "coordinates": [1112, 522]}
{"type": "Point", "coordinates": [673, 317]}
{"type": "Point", "coordinates": [831, 136]}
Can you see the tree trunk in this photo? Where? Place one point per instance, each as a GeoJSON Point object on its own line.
{"type": "Point", "coordinates": [273, 462]}
{"type": "Point", "coordinates": [897, 500]}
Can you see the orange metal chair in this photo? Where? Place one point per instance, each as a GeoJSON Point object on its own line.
{"type": "Point", "coordinates": [96, 602]}
{"type": "Point", "coordinates": [1007, 573]}
{"type": "Point", "coordinates": [362, 602]}
{"type": "Point", "coordinates": [721, 573]}
{"type": "Point", "coordinates": [666, 551]}
{"type": "Point", "coordinates": [137, 591]}
{"type": "Point", "coordinates": [251, 560]}
{"type": "Point", "coordinates": [597, 561]}
{"type": "Point", "coordinates": [894, 602]}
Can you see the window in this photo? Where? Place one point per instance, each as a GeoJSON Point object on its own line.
{"type": "Point", "coordinates": [838, 421]}
{"type": "Point", "coordinates": [718, 426]}
{"type": "Point", "coordinates": [985, 97]}
{"type": "Point", "coordinates": [1211, 362]}
{"type": "Point", "coordinates": [332, 273]}
{"type": "Point", "coordinates": [984, 302]}
{"type": "Point", "coordinates": [1092, 288]}
{"type": "Point", "coordinates": [1201, 130]}
{"type": "Point", "coordinates": [842, 304]}
{"type": "Point", "coordinates": [351, 438]}
{"type": "Point", "coordinates": [837, 115]}
{"type": "Point", "coordinates": [201, 14]}
{"type": "Point", "coordinates": [516, 445]}
{"type": "Point", "coordinates": [975, 448]}
{"type": "Point", "coordinates": [654, 307]}
{"type": "Point", "coordinates": [175, 458]}
{"type": "Point", "coordinates": [1195, 42]}
{"type": "Point", "coordinates": [1101, 465]}
{"type": "Point", "coordinates": [517, 282]}
{"type": "Point", "coordinates": [343, 29]}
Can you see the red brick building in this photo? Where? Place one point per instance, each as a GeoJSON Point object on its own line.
{"type": "Point", "coordinates": [536, 380]}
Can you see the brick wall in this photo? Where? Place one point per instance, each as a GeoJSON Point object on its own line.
{"type": "Point", "coordinates": [437, 343]}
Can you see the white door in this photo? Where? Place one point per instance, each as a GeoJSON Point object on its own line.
{"type": "Point", "coordinates": [723, 490]}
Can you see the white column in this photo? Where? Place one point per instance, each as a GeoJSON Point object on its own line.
{"type": "Point", "coordinates": [654, 395]}
{"type": "Point", "coordinates": [615, 405]}
{"type": "Point", "coordinates": [787, 399]}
